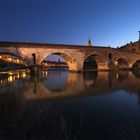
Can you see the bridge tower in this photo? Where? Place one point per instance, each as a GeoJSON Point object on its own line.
{"type": "Point", "coordinates": [89, 43]}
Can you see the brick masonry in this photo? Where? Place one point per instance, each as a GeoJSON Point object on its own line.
{"type": "Point", "coordinates": [75, 55]}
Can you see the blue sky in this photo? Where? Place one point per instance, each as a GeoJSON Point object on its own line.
{"type": "Point", "coordinates": [106, 22]}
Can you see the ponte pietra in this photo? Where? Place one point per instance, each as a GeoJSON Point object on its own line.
{"type": "Point", "coordinates": [77, 56]}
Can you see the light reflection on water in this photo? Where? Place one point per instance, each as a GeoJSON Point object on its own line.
{"type": "Point", "coordinates": [65, 105]}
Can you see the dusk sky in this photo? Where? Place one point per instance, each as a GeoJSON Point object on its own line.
{"type": "Point", "coordinates": [106, 22]}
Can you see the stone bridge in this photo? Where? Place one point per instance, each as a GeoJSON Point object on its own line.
{"type": "Point", "coordinates": [77, 56]}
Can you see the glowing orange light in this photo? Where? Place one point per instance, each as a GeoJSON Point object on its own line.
{"type": "Point", "coordinates": [117, 76]}
{"type": "Point", "coordinates": [10, 78]}
{"type": "Point", "coordinates": [116, 63]}
{"type": "Point", "coordinates": [10, 73]}
{"type": "Point", "coordinates": [18, 76]}
{"type": "Point", "coordinates": [9, 59]}
{"type": "Point", "coordinates": [23, 74]}
{"type": "Point", "coordinates": [17, 60]}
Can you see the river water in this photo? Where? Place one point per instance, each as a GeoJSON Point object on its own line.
{"type": "Point", "coordinates": [66, 105]}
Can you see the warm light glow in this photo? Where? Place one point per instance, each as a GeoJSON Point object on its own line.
{"type": "Point", "coordinates": [117, 76]}
{"type": "Point", "coordinates": [0, 57]}
{"type": "Point", "coordinates": [18, 61]}
{"type": "Point", "coordinates": [23, 74]}
{"type": "Point", "coordinates": [10, 78]}
{"type": "Point", "coordinates": [89, 83]}
{"type": "Point", "coordinates": [18, 76]}
{"type": "Point", "coordinates": [9, 59]}
{"type": "Point", "coordinates": [45, 73]}
{"type": "Point", "coordinates": [10, 73]}
{"type": "Point", "coordinates": [116, 63]}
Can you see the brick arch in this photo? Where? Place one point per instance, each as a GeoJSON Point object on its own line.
{"type": "Point", "coordinates": [122, 63]}
{"type": "Point", "coordinates": [90, 63]}
{"type": "Point", "coordinates": [122, 59]}
{"type": "Point", "coordinates": [136, 64]}
{"type": "Point", "coordinates": [100, 60]}
{"type": "Point", "coordinates": [71, 63]}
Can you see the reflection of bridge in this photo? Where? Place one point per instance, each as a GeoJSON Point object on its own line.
{"type": "Point", "coordinates": [82, 85]}
{"type": "Point", "coordinates": [77, 57]}
{"type": "Point", "coordinates": [74, 84]}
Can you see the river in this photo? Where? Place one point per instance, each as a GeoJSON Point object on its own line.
{"type": "Point", "coordinates": [67, 105]}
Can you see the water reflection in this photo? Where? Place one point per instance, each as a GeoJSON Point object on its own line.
{"type": "Point", "coordinates": [8, 78]}
{"type": "Point", "coordinates": [64, 105]}
{"type": "Point", "coordinates": [90, 78]}
{"type": "Point", "coordinates": [136, 73]}
{"type": "Point", "coordinates": [54, 83]}
{"type": "Point", "coordinates": [122, 75]}
{"type": "Point", "coordinates": [116, 76]}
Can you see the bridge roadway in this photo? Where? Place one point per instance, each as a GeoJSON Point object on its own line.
{"type": "Point", "coordinates": [75, 55]}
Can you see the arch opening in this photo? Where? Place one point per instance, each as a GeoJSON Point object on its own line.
{"type": "Point", "coordinates": [136, 65]}
{"type": "Point", "coordinates": [90, 64]}
{"type": "Point", "coordinates": [122, 64]}
{"type": "Point", "coordinates": [11, 62]}
{"type": "Point", "coordinates": [136, 68]}
{"type": "Point", "coordinates": [58, 61]}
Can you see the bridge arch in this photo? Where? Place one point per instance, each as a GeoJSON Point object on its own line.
{"type": "Point", "coordinates": [90, 63]}
{"type": "Point", "coordinates": [98, 61]}
{"type": "Point", "coordinates": [70, 62]}
{"type": "Point", "coordinates": [122, 63]}
{"type": "Point", "coordinates": [136, 65]}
